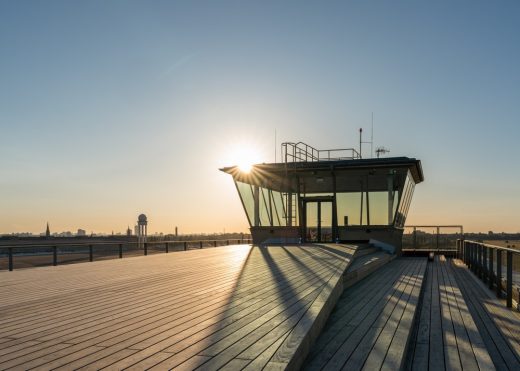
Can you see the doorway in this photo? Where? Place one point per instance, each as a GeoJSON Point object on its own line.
{"type": "Point", "coordinates": [318, 219]}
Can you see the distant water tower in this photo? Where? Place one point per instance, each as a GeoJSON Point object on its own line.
{"type": "Point", "coordinates": [142, 230]}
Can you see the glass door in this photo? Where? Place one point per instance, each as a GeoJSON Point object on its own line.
{"type": "Point", "coordinates": [318, 220]}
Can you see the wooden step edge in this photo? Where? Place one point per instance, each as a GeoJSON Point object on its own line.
{"type": "Point", "coordinates": [352, 277]}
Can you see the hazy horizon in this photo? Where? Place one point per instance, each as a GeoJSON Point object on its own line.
{"type": "Point", "coordinates": [112, 109]}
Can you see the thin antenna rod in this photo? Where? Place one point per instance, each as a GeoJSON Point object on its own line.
{"type": "Point", "coordinates": [372, 138]}
{"type": "Point", "coordinates": [360, 141]}
{"type": "Point", "coordinates": [275, 145]}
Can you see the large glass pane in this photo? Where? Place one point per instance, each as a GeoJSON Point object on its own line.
{"type": "Point", "coordinates": [378, 208]}
{"type": "Point", "coordinates": [265, 215]}
{"type": "Point", "coordinates": [349, 208]}
{"type": "Point", "coordinates": [404, 201]}
{"type": "Point", "coordinates": [312, 221]}
{"type": "Point", "coordinates": [326, 221]}
{"type": "Point", "coordinates": [396, 203]}
{"type": "Point", "coordinates": [246, 195]}
{"type": "Point", "coordinates": [278, 209]}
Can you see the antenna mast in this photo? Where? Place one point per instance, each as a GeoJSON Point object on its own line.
{"type": "Point", "coordinates": [372, 138]}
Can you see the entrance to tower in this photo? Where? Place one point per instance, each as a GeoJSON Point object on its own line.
{"type": "Point", "coordinates": [318, 218]}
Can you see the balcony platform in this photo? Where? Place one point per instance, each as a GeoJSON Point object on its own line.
{"type": "Point", "coordinates": [231, 307]}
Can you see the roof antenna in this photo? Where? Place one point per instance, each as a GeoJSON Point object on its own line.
{"type": "Point", "coordinates": [275, 145]}
{"type": "Point", "coordinates": [360, 141]}
{"type": "Point", "coordinates": [381, 151]}
{"type": "Point", "coordinates": [372, 138]}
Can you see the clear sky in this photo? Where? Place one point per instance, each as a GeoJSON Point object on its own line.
{"type": "Point", "coordinates": [113, 108]}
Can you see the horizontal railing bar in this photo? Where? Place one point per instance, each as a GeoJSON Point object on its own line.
{"type": "Point", "coordinates": [495, 246]}
{"type": "Point", "coordinates": [86, 244]}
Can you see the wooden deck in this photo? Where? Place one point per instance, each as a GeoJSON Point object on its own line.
{"type": "Point", "coordinates": [499, 326]}
{"type": "Point", "coordinates": [447, 337]}
{"type": "Point", "coordinates": [228, 307]}
{"type": "Point", "coordinates": [373, 320]}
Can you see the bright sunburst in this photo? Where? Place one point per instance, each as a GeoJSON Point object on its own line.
{"type": "Point", "coordinates": [245, 158]}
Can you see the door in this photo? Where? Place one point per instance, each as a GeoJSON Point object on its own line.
{"type": "Point", "coordinates": [318, 220]}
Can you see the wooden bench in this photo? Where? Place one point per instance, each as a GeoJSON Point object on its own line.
{"type": "Point", "coordinates": [373, 320]}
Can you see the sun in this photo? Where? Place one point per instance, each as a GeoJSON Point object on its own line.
{"type": "Point", "coordinates": [245, 157]}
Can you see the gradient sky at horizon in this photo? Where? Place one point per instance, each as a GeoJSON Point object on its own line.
{"type": "Point", "coordinates": [113, 108]}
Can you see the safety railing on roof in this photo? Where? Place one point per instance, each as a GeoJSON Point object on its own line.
{"type": "Point", "coordinates": [419, 239]}
{"type": "Point", "coordinates": [302, 152]}
{"type": "Point", "coordinates": [488, 262]}
{"type": "Point", "coordinates": [33, 255]}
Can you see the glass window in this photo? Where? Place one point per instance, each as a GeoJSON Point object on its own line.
{"type": "Point", "coordinates": [378, 202]}
{"type": "Point", "coordinates": [404, 201]}
{"type": "Point", "coordinates": [265, 209]}
{"type": "Point", "coordinates": [279, 218]}
{"type": "Point", "coordinates": [348, 206]}
{"type": "Point", "coordinates": [248, 200]}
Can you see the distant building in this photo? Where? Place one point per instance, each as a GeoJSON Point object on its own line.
{"type": "Point", "coordinates": [142, 230]}
{"type": "Point", "coordinates": [48, 231]}
{"type": "Point", "coordinates": [81, 233]}
{"type": "Point", "coordinates": [128, 232]}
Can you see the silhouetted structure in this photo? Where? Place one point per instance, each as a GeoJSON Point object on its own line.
{"type": "Point", "coordinates": [47, 231]}
{"type": "Point", "coordinates": [327, 195]}
{"type": "Point", "coordinates": [142, 230]}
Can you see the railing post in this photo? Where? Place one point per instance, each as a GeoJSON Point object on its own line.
{"type": "Point", "coordinates": [471, 256]}
{"type": "Point", "coordinates": [185, 245]}
{"type": "Point", "coordinates": [55, 255]}
{"type": "Point", "coordinates": [227, 242]}
{"type": "Point", "coordinates": [215, 243]}
{"type": "Point", "coordinates": [437, 239]}
{"type": "Point", "coordinates": [484, 264]}
{"type": "Point", "coordinates": [120, 251]}
{"type": "Point", "coordinates": [10, 252]}
{"type": "Point", "coordinates": [499, 273]}
{"type": "Point", "coordinates": [509, 283]}
{"type": "Point", "coordinates": [146, 248]}
{"type": "Point", "coordinates": [90, 253]}
{"type": "Point", "coordinates": [491, 274]}
{"type": "Point", "coordinates": [200, 244]}
{"type": "Point", "coordinates": [479, 261]}
{"type": "Point", "coordinates": [166, 247]}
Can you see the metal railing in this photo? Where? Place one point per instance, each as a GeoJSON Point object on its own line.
{"type": "Point", "coordinates": [432, 238]}
{"type": "Point", "coordinates": [88, 251]}
{"type": "Point", "coordinates": [487, 262]}
{"type": "Point", "coordinates": [302, 152]}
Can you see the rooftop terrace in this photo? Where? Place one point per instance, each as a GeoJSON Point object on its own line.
{"type": "Point", "coordinates": [316, 306]}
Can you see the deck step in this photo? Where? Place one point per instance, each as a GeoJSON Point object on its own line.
{"type": "Point", "coordinates": [364, 265]}
{"type": "Point", "coordinates": [373, 321]}
{"type": "Point", "coordinates": [365, 250]}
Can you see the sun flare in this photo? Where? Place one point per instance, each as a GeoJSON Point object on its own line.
{"type": "Point", "coordinates": [244, 158]}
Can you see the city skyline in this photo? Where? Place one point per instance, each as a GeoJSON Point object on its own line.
{"type": "Point", "coordinates": [111, 108]}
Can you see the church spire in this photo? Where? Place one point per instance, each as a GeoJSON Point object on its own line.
{"type": "Point", "coordinates": [48, 231]}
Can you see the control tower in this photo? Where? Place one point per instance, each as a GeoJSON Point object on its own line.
{"type": "Point", "coordinates": [327, 196]}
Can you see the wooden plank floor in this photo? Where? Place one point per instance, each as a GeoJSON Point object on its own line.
{"type": "Point", "coordinates": [498, 325]}
{"type": "Point", "coordinates": [447, 337]}
{"type": "Point", "coordinates": [371, 324]}
{"type": "Point", "coordinates": [228, 307]}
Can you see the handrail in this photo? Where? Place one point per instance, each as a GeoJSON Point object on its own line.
{"type": "Point", "coordinates": [479, 257]}
{"type": "Point", "coordinates": [302, 152]}
{"type": "Point", "coordinates": [514, 251]}
{"type": "Point", "coordinates": [119, 245]}
{"type": "Point", "coordinates": [436, 246]}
